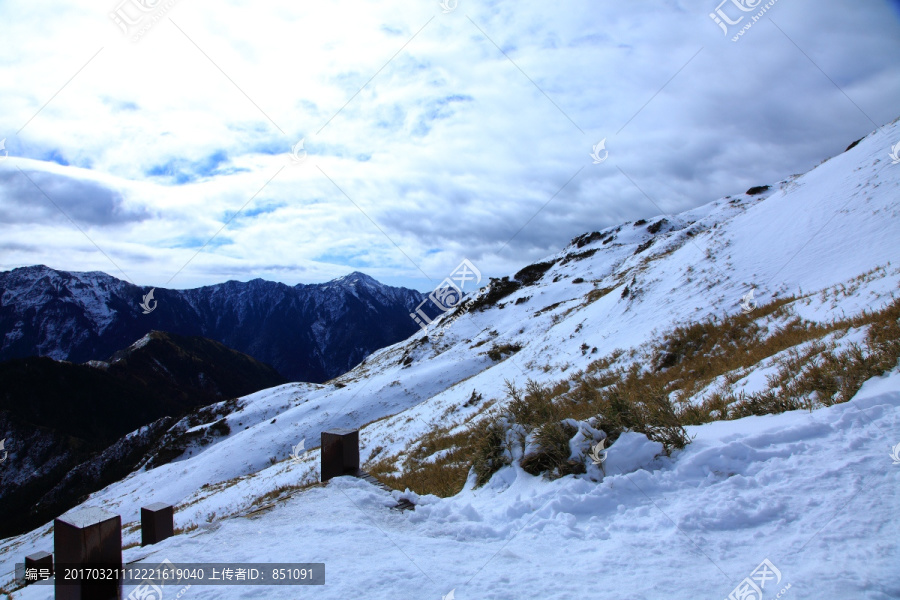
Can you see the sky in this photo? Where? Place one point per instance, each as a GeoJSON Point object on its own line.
{"type": "Point", "coordinates": [179, 143]}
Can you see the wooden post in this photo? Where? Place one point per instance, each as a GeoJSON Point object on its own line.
{"type": "Point", "coordinates": [340, 453]}
{"type": "Point", "coordinates": [90, 537]}
{"type": "Point", "coordinates": [157, 523]}
{"type": "Point", "coordinates": [39, 561]}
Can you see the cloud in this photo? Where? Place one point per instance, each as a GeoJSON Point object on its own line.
{"type": "Point", "coordinates": [430, 137]}
{"type": "Point", "coordinates": [180, 171]}
{"type": "Point", "coordinates": [34, 196]}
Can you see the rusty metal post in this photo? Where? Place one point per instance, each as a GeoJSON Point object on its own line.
{"type": "Point", "coordinates": [157, 523]}
{"type": "Point", "coordinates": [90, 537]}
{"type": "Point", "coordinates": [340, 453]}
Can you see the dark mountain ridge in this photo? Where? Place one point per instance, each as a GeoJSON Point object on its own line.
{"type": "Point", "coordinates": [307, 332]}
{"type": "Point", "coordinates": [57, 416]}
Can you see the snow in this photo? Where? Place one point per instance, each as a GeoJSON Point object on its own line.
{"type": "Point", "coordinates": [631, 452]}
{"type": "Point", "coordinates": [801, 489]}
{"type": "Point", "coordinates": [813, 492]}
{"type": "Point", "coordinates": [140, 343]}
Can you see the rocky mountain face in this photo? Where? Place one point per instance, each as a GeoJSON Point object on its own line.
{"type": "Point", "coordinates": [306, 332]}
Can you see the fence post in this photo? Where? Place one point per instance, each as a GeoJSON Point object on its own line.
{"type": "Point", "coordinates": [340, 453]}
{"type": "Point", "coordinates": [90, 537]}
{"type": "Point", "coordinates": [39, 560]}
{"type": "Point", "coordinates": [157, 523]}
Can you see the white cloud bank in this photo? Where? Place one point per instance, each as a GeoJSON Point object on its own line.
{"type": "Point", "coordinates": [446, 152]}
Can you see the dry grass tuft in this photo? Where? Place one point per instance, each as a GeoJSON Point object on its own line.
{"type": "Point", "coordinates": [654, 398]}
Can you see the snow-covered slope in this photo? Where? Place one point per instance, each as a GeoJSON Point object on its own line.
{"type": "Point", "coordinates": [813, 492]}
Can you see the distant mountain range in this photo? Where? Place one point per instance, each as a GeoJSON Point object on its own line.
{"type": "Point", "coordinates": [306, 332]}
{"type": "Point", "coordinates": [65, 422]}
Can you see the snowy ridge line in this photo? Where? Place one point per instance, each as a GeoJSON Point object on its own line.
{"type": "Point", "coordinates": [87, 316]}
